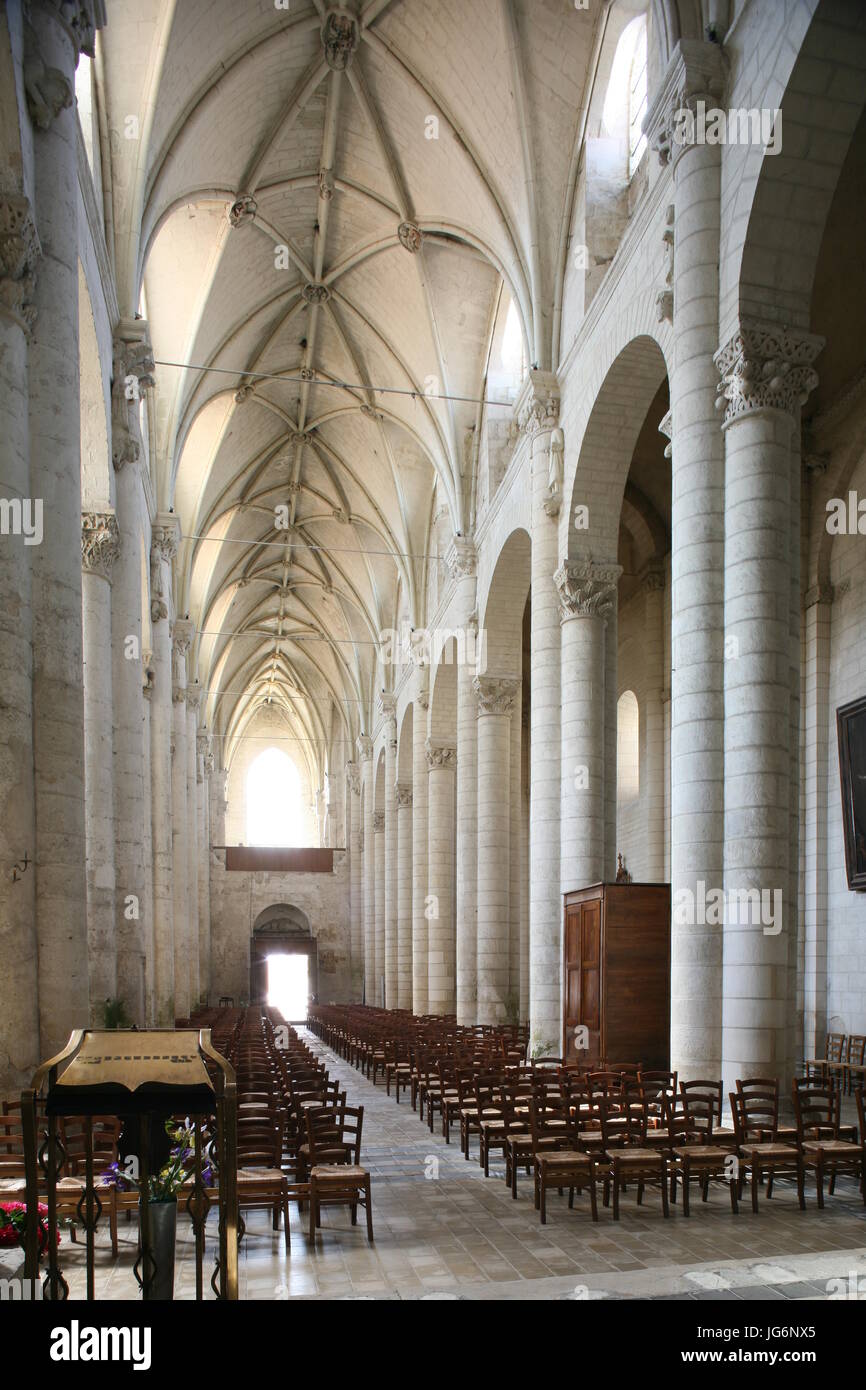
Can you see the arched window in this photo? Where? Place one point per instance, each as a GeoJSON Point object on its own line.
{"type": "Point", "coordinates": [274, 810]}
{"type": "Point", "coordinates": [627, 748]}
{"type": "Point", "coordinates": [625, 103]}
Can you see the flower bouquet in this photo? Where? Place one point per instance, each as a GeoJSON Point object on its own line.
{"type": "Point", "coordinates": [13, 1225]}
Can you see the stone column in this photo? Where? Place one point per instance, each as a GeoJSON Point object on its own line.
{"type": "Point", "coordinates": [537, 414]}
{"type": "Point", "coordinates": [100, 543]}
{"type": "Point", "coordinates": [697, 559]}
{"type": "Point", "coordinates": [524, 869]}
{"type": "Point", "coordinates": [365, 757]}
{"type": "Point", "coordinates": [654, 727]}
{"type": "Point", "coordinates": [182, 635]}
{"type": "Point", "coordinates": [356, 882]}
{"type": "Point", "coordinates": [496, 696]}
{"type": "Point", "coordinates": [164, 540]}
{"type": "Point", "coordinates": [54, 37]}
{"type": "Point", "coordinates": [767, 375]}
{"type": "Point", "coordinates": [420, 921]}
{"type": "Point", "coordinates": [441, 944]}
{"type": "Point", "coordinates": [404, 895]}
{"type": "Point", "coordinates": [133, 366]}
{"type": "Point", "coordinates": [587, 594]}
{"type": "Point", "coordinates": [379, 899]}
{"type": "Point", "coordinates": [818, 603]}
{"type": "Point", "coordinates": [20, 1050]}
{"type": "Point", "coordinates": [515, 853]}
{"type": "Point", "coordinates": [193, 702]}
{"type": "Point", "coordinates": [204, 767]}
{"type": "Point", "coordinates": [461, 562]}
{"type": "Point", "coordinates": [611, 702]}
{"type": "Point", "coordinates": [388, 707]}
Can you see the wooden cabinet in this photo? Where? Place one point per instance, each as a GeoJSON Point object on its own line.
{"type": "Point", "coordinates": [616, 974]}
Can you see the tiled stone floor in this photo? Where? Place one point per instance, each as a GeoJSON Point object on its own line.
{"type": "Point", "coordinates": [442, 1231]}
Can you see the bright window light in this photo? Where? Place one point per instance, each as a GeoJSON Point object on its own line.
{"type": "Point", "coordinates": [625, 102]}
{"type": "Point", "coordinates": [274, 810]}
{"type": "Point", "coordinates": [288, 985]}
{"type": "Point", "coordinates": [627, 748]}
{"type": "Point", "coordinates": [511, 351]}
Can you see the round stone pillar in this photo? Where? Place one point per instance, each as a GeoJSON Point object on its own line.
{"type": "Point", "coordinates": [182, 634]}
{"type": "Point", "coordinates": [538, 415]}
{"type": "Point", "coordinates": [132, 366]}
{"type": "Point", "coordinates": [441, 945]}
{"type": "Point", "coordinates": [653, 769]}
{"type": "Point", "coordinates": [403, 796]}
{"type": "Point", "coordinates": [193, 703]}
{"type": "Point", "coordinates": [20, 1050]}
{"type": "Point", "coordinates": [420, 923]}
{"type": "Point", "coordinates": [461, 563]}
{"type": "Point", "coordinates": [691, 299]}
{"type": "Point", "coordinates": [766, 375]}
{"type": "Point", "coordinates": [54, 37]}
{"type": "Point", "coordinates": [388, 707]}
{"type": "Point", "coordinates": [164, 539]}
{"type": "Point", "coordinates": [379, 901]}
{"type": "Point", "coordinates": [204, 767]}
{"type": "Point", "coordinates": [365, 757]}
{"type": "Point", "coordinates": [587, 594]}
{"type": "Point", "coordinates": [100, 543]}
{"type": "Point", "coordinates": [356, 895]}
{"type": "Point", "coordinates": [496, 696]}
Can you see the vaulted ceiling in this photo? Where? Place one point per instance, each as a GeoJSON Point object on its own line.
{"type": "Point", "coordinates": [313, 204]}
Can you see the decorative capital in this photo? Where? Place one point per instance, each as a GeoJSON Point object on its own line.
{"type": "Point", "coordinates": [340, 38]}
{"type": "Point", "coordinates": [537, 407]}
{"type": "Point", "coordinates": [202, 744]}
{"type": "Point", "coordinates": [666, 427]}
{"type": "Point", "coordinates": [765, 367]}
{"type": "Point", "coordinates": [354, 775]}
{"type": "Point", "coordinates": [378, 821]}
{"type": "Point", "coordinates": [181, 635]}
{"type": "Point", "coordinates": [19, 253]}
{"type": "Point", "coordinates": [165, 536]}
{"type": "Point", "coordinates": [652, 578]}
{"type": "Point", "coordinates": [388, 705]}
{"type": "Point", "coordinates": [440, 755]}
{"type": "Point", "coordinates": [80, 19]}
{"type": "Point", "coordinates": [696, 72]}
{"type": "Point", "coordinates": [411, 237]}
{"type": "Point", "coordinates": [100, 543]}
{"type": "Point", "coordinates": [587, 590]}
{"type": "Point", "coordinates": [496, 694]}
{"type": "Point", "coordinates": [461, 558]}
{"type": "Point", "coordinates": [132, 375]}
{"type": "Point", "coordinates": [403, 795]}
{"type": "Point", "coordinates": [193, 698]}
{"type": "Point", "coordinates": [365, 747]}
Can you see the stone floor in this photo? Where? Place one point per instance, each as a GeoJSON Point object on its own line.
{"type": "Point", "coordinates": [443, 1231]}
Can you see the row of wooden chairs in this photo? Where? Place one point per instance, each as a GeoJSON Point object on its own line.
{"type": "Point", "coordinates": [844, 1061]}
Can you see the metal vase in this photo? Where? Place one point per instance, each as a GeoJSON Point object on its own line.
{"type": "Point", "coordinates": [163, 1229]}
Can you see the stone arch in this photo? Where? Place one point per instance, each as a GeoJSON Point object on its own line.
{"type": "Point", "coordinates": [281, 929]}
{"type": "Point", "coordinates": [501, 616]}
{"type": "Point", "coordinates": [771, 279]}
{"type": "Point", "coordinates": [616, 418]}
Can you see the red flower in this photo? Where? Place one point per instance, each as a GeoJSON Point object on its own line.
{"type": "Point", "coordinates": [12, 1227]}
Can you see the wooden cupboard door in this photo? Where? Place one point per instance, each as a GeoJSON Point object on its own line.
{"type": "Point", "coordinates": [582, 1031]}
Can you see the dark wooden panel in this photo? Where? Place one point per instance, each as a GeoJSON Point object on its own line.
{"type": "Point", "coordinates": [298, 861]}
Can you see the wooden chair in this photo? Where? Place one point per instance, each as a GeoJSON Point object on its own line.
{"type": "Point", "coordinates": [756, 1122]}
{"type": "Point", "coordinates": [700, 1157]}
{"type": "Point", "coordinates": [855, 1062]}
{"type": "Point", "coordinates": [713, 1090]}
{"type": "Point", "coordinates": [261, 1182]}
{"type": "Point", "coordinates": [557, 1160]}
{"type": "Point", "coordinates": [335, 1185]}
{"type": "Point", "coordinates": [831, 1064]}
{"type": "Point", "coordinates": [817, 1111]}
{"type": "Point", "coordinates": [625, 1154]}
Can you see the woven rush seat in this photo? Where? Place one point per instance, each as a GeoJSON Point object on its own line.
{"type": "Point", "coordinates": [770, 1150]}
{"type": "Point", "coordinates": [832, 1146]}
{"type": "Point", "coordinates": [337, 1172]}
{"type": "Point", "coordinates": [709, 1153]}
{"type": "Point", "coordinates": [635, 1156]}
{"type": "Point", "coordinates": [260, 1175]}
{"type": "Point", "coordinates": [566, 1158]}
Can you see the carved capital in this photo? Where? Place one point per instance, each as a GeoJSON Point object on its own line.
{"type": "Point", "coordinates": [403, 795]}
{"type": "Point", "coordinates": [340, 38]}
{"type": "Point", "coordinates": [461, 558]}
{"type": "Point", "coordinates": [587, 590]}
{"type": "Point", "coordinates": [193, 698]}
{"type": "Point", "coordinates": [378, 821]}
{"type": "Point", "coordinates": [365, 748]}
{"type": "Point", "coordinates": [243, 210]}
{"type": "Point", "coordinates": [440, 755]}
{"type": "Point", "coordinates": [666, 427]}
{"type": "Point", "coordinates": [765, 367]}
{"type": "Point", "coordinates": [19, 253]}
{"type": "Point", "coordinates": [411, 237]}
{"type": "Point", "coordinates": [537, 407]}
{"type": "Point", "coordinates": [132, 375]}
{"type": "Point", "coordinates": [181, 635]}
{"type": "Point", "coordinates": [80, 19]}
{"type": "Point", "coordinates": [496, 694]}
{"type": "Point", "coordinates": [354, 776]}
{"type": "Point", "coordinates": [388, 705]}
{"type": "Point", "coordinates": [696, 72]}
{"type": "Point", "coordinates": [100, 543]}
{"type": "Point", "coordinates": [652, 578]}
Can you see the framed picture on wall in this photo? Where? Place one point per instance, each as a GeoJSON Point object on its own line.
{"type": "Point", "coordinates": [851, 730]}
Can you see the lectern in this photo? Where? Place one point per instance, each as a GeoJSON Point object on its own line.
{"type": "Point", "coordinates": [150, 1075]}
